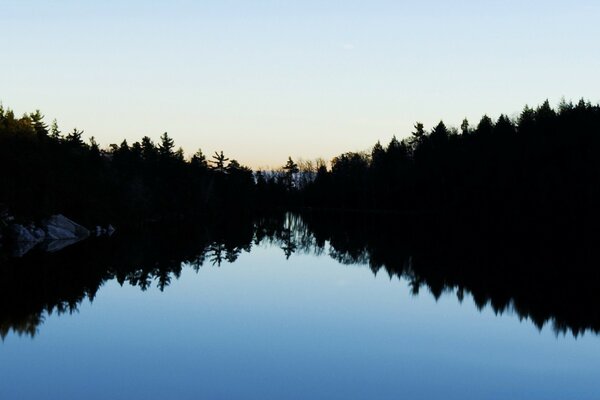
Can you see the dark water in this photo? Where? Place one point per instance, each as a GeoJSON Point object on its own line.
{"type": "Point", "coordinates": [286, 307]}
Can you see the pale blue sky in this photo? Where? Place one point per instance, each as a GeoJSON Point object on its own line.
{"type": "Point", "coordinates": [262, 80]}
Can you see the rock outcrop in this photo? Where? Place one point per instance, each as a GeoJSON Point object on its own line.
{"type": "Point", "coordinates": [108, 231]}
{"type": "Point", "coordinates": [53, 234]}
{"type": "Point", "coordinates": [59, 227]}
{"type": "Point", "coordinates": [20, 233]}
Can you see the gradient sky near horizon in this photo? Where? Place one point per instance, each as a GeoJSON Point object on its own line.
{"type": "Point", "coordinates": [262, 80]}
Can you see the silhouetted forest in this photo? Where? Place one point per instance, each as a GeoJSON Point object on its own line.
{"type": "Point", "coordinates": [543, 164]}
{"type": "Point", "coordinates": [43, 171]}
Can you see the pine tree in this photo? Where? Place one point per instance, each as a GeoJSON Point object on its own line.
{"type": "Point", "coordinates": [377, 156]}
{"type": "Point", "coordinates": [37, 118]}
{"type": "Point", "coordinates": [55, 133]}
{"type": "Point", "coordinates": [485, 126]}
{"type": "Point", "coordinates": [199, 159]}
{"type": "Point", "coordinates": [74, 138]}
{"type": "Point", "coordinates": [149, 152]}
{"type": "Point", "coordinates": [464, 127]}
{"type": "Point", "coordinates": [291, 169]}
{"type": "Point", "coordinates": [165, 148]}
{"type": "Point", "coordinates": [418, 135]}
{"type": "Point", "coordinates": [219, 162]}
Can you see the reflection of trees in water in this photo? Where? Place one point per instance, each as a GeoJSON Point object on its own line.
{"type": "Point", "coordinates": [543, 283]}
{"type": "Point", "coordinates": [288, 232]}
{"type": "Point", "coordinates": [536, 271]}
{"type": "Point", "coordinates": [26, 325]}
{"type": "Point", "coordinates": [216, 251]}
{"type": "Point", "coordinates": [220, 252]}
{"type": "Point", "coordinates": [57, 283]}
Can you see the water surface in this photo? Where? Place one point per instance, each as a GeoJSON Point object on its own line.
{"type": "Point", "coordinates": [282, 313]}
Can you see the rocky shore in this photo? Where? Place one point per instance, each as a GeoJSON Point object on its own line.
{"type": "Point", "coordinates": [52, 234]}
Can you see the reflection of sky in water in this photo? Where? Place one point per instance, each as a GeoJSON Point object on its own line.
{"type": "Point", "coordinates": [306, 328]}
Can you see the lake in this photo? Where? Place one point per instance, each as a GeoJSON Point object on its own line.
{"type": "Point", "coordinates": [293, 307]}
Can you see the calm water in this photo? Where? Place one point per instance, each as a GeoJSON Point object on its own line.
{"type": "Point", "coordinates": [263, 326]}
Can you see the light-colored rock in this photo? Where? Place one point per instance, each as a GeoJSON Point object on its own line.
{"type": "Point", "coordinates": [59, 227]}
{"type": "Point", "coordinates": [38, 233]}
{"type": "Point", "coordinates": [21, 234]}
{"type": "Point", "coordinates": [25, 238]}
{"type": "Point", "coordinates": [55, 233]}
{"type": "Point", "coordinates": [52, 246]}
{"type": "Point", "coordinates": [58, 233]}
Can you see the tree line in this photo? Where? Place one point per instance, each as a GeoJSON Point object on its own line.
{"type": "Point", "coordinates": [43, 171]}
{"type": "Point", "coordinates": [540, 164]}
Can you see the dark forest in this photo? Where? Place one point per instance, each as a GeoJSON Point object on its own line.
{"type": "Point", "coordinates": [540, 166]}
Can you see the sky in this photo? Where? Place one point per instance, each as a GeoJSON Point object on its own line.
{"type": "Point", "coordinates": [264, 80]}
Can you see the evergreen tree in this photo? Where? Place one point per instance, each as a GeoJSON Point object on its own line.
{"type": "Point", "coordinates": [418, 135]}
{"type": "Point", "coordinates": [199, 160]}
{"type": "Point", "coordinates": [219, 162]}
{"type": "Point", "coordinates": [41, 129]}
{"type": "Point", "coordinates": [485, 126]}
{"type": "Point", "coordinates": [165, 148]}
{"type": "Point", "coordinates": [179, 155]}
{"type": "Point", "coordinates": [464, 127]}
{"type": "Point", "coordinates": [233, 166]}
{"type": "Point", "coordinates": [55, 133]}
{"type": "Point", "coordinates": [440, 132]}
{"type": "Point", "coordinates": [94, 148]}
{"type": "Point", "coordinates": [377, 156]}
{"type": "Point", "coordinates": [504, 127]}
{"type": "Point", "coordinates": [291, 169]}
{"type": "Point", "coordinates": [74, 138]}
{"type": "Point", "coordinates": [149, 151]}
